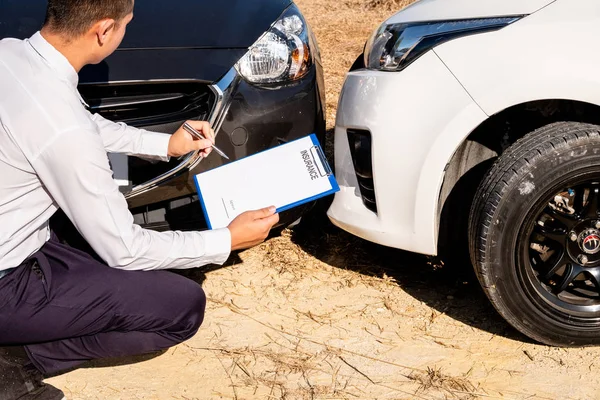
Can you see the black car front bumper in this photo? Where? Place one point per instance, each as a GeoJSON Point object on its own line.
{"type": "Point", "coordinates": [248, 119]}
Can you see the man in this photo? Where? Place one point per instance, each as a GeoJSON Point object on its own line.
{"type": "Point", "coordinates": [58, 306]}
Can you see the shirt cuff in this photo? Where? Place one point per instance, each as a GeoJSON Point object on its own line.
{"type": "Point", "coordinates": [156, 145]}
{"type": "Point", "coordinates": [217, 244]}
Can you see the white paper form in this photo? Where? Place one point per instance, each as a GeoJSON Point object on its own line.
{"type": "Point", "coordinates": [285, 176]}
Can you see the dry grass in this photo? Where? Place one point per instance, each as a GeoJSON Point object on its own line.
{"type": "Point", "coordinates": [287, 357]}
{"type": "Point", "coordinates": [391, 5]}
{"type": "Point", "coordinates": [434, 379]}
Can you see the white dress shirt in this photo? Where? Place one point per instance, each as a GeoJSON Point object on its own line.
{"type": "Point", "coordinates": [53, 154]}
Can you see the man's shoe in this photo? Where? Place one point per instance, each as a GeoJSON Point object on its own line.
{"type": "Point", "coordinates": [20, 380]}
{"type": "Point", "coordinates": [46, 392]}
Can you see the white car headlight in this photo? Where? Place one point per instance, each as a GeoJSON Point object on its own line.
{"type": "Point", "coordinates": [393, 47]}
{"type": "Point", "coordinates": [282, 54]}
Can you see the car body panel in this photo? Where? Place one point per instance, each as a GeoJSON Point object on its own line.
{"type": "Point", "coordinates": [533, 71]}
{"type": "Point", "coordinates": [169, 42]}
{"type": "Point", "coordinates": [194, 23]}
{"type": "Point", "coordinates": [548, 55]}
{"type": "Point", "coordinates": [436, 10]}
{"type": "Point", "coordinates": [163, 24]}
{"type": "Point", "coordinates": [163, 64]}
{"type": "Point", "coordinates": [402, 139]}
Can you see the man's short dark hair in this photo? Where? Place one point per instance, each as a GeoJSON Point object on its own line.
{"type": "Point", "coordinates": [74, 17]}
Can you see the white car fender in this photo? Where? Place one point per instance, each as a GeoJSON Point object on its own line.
{"type": "Point", "coordinates": [553, 54]}
{"type": "Point", "coordinates": [432, 174]}
{"type": "Point", "coordinates": [518, 64]}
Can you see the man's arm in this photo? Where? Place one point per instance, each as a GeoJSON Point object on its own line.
{"type": "Point", "coordinates": [122, 138]}
{"type": "Point", "coordinates": [75, 171]}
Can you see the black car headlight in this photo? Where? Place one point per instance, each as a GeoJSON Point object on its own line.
{"type": "Point", "coordinates": [282, 54]}
{"type": "Point", "coordinates": [393, 47]}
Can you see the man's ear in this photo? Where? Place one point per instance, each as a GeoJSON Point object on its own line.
{"type": "Point", "coordinates": [102, 29]}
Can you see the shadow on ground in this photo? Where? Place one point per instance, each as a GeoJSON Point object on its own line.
{"type": "Point", "coordinates": [448, 288]}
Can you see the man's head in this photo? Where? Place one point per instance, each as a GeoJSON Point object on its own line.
{"type": "Point", "coordinates": [98, 25]}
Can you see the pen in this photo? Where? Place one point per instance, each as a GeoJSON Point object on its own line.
{"type": "Point", "coordinates": [198, 135]}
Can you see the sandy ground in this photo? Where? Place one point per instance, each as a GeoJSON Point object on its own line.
{"type": "Point", "coordinates": [318, 314]}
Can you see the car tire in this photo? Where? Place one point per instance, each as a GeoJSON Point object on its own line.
{"type": "Point", "coordinates": [534, 234]}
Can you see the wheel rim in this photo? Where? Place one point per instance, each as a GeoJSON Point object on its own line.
{"type": "Point", "coordinates": [560, 256]}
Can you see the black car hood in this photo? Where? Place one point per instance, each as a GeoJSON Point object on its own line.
{"type": "Point", "coordinates": [185, 39]}
{"type": "Point", "coordinates": [201, 23]}
{"type": "Point", "coordinates": [166, 24]}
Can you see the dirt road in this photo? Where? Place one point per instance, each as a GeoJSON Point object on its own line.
{"type": "Point", "coordinates": [319, 314]}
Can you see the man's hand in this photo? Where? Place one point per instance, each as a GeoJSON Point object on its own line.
{"type": "Point", "coordinates": [181, 142]}
{"type": "Point", "coordinates": [252, 227]}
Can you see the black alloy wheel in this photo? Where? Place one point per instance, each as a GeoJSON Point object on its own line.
{"type": "Point", "coordinates": [534, 234]}
{"type": "Point", "coordinates": [560, 260]}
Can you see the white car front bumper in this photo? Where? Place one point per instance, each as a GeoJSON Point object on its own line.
{"type": "Point", "coordinates": [416, 118]}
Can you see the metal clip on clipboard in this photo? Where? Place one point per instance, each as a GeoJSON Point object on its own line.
{"type": "Point", "coordinates": [317, 152]}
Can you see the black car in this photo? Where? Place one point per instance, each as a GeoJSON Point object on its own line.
{"type": "Point", "coordinates": [251, 68]}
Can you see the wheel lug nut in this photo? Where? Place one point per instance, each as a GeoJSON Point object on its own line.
{"type": "Point", "coordinates": [583, 259]}
{"type": "Point", "coordinates": [573, 236]}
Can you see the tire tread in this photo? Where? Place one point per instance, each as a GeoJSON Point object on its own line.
{"type": "Point", "coordinates": [497, 181]}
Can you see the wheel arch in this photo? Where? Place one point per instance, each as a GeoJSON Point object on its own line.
{"type": "Point", "coordinates": [470, 157]}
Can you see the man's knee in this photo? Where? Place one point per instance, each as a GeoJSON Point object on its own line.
{"type": "Point", "coordinates": [195, 305]}
{"type": "Point", "coordinates": [198, 304]}
{"type": "Point", "coordinates": [175, 303]}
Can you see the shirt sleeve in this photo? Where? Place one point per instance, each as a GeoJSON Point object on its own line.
{"type": "Point", "coordinates": [122, 138]}
{"type": "Point", "coordinates": [74, 169]}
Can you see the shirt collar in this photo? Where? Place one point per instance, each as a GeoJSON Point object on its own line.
{"type": "Point", "coordinates": [54, 58]}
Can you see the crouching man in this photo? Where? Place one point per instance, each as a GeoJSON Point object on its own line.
{"type": "Point", "coordinates": [59, 307]}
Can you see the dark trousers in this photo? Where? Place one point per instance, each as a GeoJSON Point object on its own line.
{"type": "Point", "coordinates": [68, 308]}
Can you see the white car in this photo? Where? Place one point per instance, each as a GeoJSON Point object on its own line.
{"type": "Point", "coordinates": [481, 115]}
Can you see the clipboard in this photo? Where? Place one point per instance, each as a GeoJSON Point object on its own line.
{"type": "Point", "coordinates": [285, 176]}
